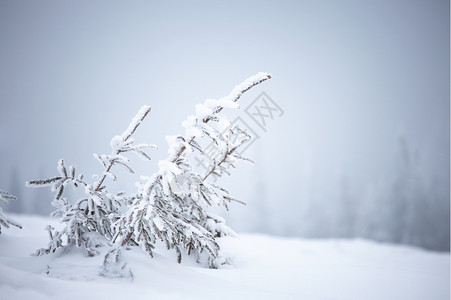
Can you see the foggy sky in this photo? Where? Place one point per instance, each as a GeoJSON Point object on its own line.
{"type": "Point", "coordinates": [362, 149]}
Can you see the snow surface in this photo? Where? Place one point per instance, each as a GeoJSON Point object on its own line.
{"type": "Point", "coordinates": [264, 267]}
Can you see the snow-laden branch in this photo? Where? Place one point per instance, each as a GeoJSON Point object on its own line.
{"type": "Point", "coordinates": [240, 89]}
{"type": "Point", "coordinates": [135, 122]}
{"type": "Point", "coordinates": [6, 197]}
{"type": "Point", "coordinates": [212, 107]}
{"type": "Point", "coordinates": [123, 143]}
{"type": "Point", "coordinates": [5, 221]}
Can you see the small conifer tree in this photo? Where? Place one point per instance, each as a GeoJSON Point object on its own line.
{"type": "Point", "coordinates": [172, 205]}
{"type": "Point", "coordinates": [5, 221]}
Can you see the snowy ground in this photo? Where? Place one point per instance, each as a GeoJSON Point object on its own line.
{"type": "Point", "coordinates": [264, 267]}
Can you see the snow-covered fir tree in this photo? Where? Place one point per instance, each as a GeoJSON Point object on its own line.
{"type": "Point", "coordinates": [88, 221]}
{"type": "Point", "coordinates": [172, 205]}
{"type": "Point", "coordinates": [5, 221]}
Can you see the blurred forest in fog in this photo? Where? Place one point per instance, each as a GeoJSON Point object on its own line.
{"type": "Point", "coordinates": [360, 151]}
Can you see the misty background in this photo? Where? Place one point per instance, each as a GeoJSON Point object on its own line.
{"type": "Point", "coordinates": [361, 150]}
